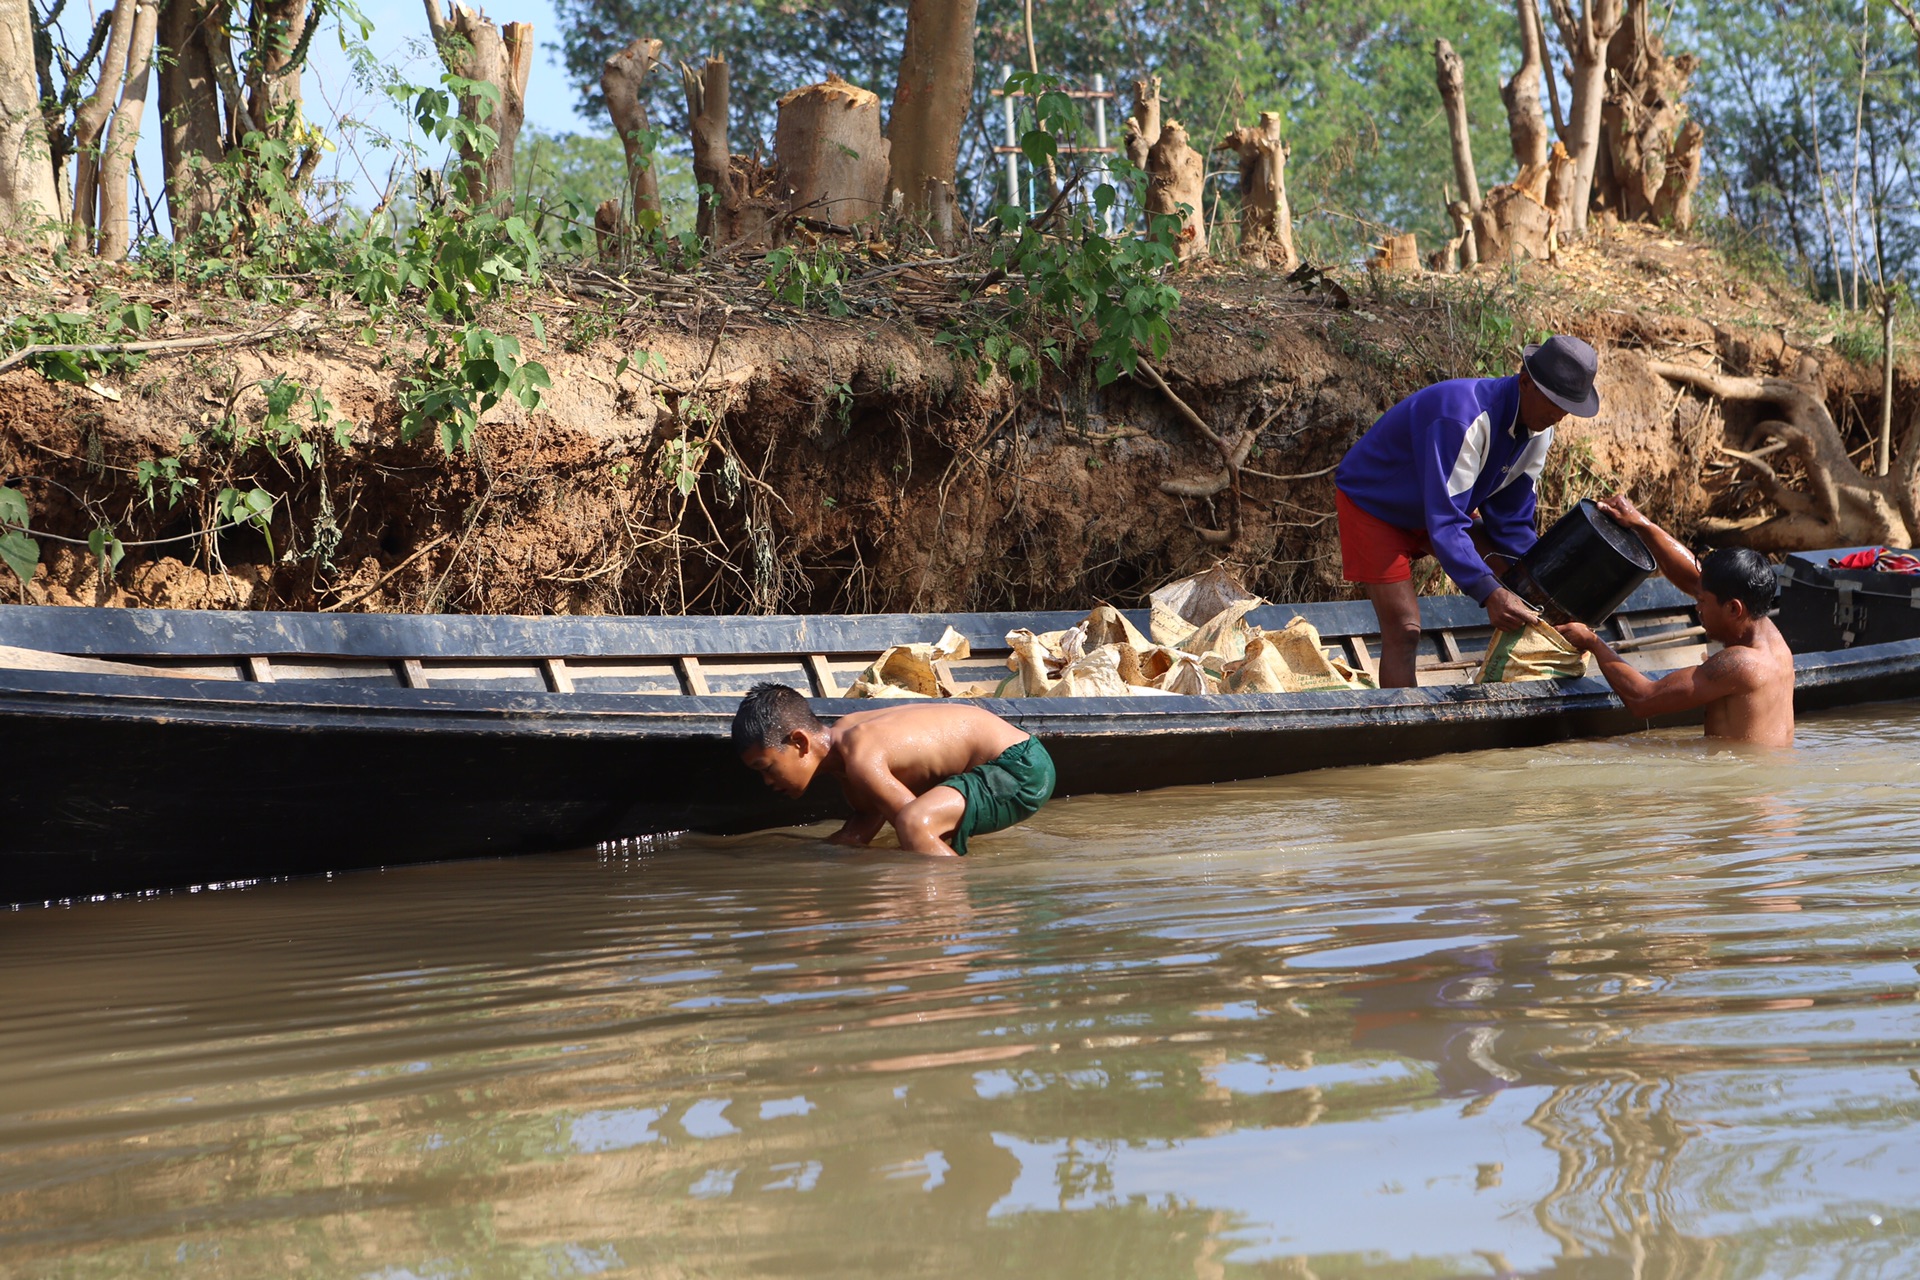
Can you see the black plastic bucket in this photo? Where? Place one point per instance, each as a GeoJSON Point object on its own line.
{"type": "Point", "coordinates": [1582, 568]}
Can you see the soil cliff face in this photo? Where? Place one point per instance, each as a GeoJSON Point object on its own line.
{"type": "Point", "coordinates": [718, 460]}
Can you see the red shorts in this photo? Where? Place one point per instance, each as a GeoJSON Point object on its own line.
{"type": "Point", "coordinates": [1373, 551]}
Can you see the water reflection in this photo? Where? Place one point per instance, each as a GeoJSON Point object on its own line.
{"type": "Point", "coordinates": [1614, 1009]}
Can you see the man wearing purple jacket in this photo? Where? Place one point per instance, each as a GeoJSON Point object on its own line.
{"type": "Point", "coordinates": [1450, 472]}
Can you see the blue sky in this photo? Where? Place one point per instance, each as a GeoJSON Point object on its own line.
{"type": "Point", "coordinates": [399, 39]}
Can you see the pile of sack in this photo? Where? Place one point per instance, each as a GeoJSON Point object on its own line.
{"type": "Point", "coordinates": [1200, 642]}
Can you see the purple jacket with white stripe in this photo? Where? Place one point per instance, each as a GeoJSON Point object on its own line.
{"type": "Point", "coordinates": [1444, 453]}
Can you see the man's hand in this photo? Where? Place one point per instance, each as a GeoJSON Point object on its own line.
{"type": "Point", "coordinates": [1579, 635]}
{"type": "Point", "coordinates": [1621, 508]}
{"type": "Point", "coordinates": [859, 830]}
{"type": "Point", "coordinates": [1507, 611]}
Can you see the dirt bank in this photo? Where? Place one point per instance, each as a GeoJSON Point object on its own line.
{"type": "Point", "coordinates": [711, 457]}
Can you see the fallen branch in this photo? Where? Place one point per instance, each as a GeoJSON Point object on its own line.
{"type": "Point", "coordinates": [137, 348]}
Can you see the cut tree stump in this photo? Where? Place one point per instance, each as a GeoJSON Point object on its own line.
{"type": "Point", "coordinates": [623, 80]}
{"type": "Point", "coordinates": [930, 100]}
{"type": "Point", "coordinates": [1648, 144]}
{"type": "Point", "coordinates": [1266, 217]}
{"type": "Point", "coordinates": [1396, 254]}
{"type": "Point", "coordinates": [473, 48]}
{"type": "Point", "coordinates": [734, 209]}
{"type": "Point", "coordinates": [1176, 180]}
{"type": "Point", "coordinates": [830, 157]}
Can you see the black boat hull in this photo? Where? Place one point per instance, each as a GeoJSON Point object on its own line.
{"type": "Point", "coordinates": [116, 783]}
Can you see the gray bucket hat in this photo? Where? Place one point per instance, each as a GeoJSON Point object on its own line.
{"type": "Point", "coordinates": [1563, 368]}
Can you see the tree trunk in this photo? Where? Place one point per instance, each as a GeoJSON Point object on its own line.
{"type": "Point", "coordinates": [931, 98]}
{"type": "Point", "coordinates": [830, 160]}
{"type": "Point", "coordinates": [1266, 217]}
{"type": "Point", "coordinates": [1451, 77]}
{"type": "Point", "coordinates": [712, 153]}
{"type": "Point", "coordinates": [280, 41]}
{"type": "Point", "coordinates": [1674, 201]}
{"type": "Point", "coordinates": [1176, 173]}
{"type": "Point", "coordinates": [623, 80]}
{"type": "Point", "coordinates": [1463, 251]}
{"type": "Point", "coordinates": [27, 193]}
{"type": "Point", "coordinates": [1642, 119]}
{"type": "Point", "coordinates": [1142, 129]}
{"type": "Point", "coordinates": [1526, 125]}
{"type": "Point", "coordinates": [475, 49]}
{"type": "Point", "coordinates": [124, 137]}
{"type": "Point", "coordinates": [1513, 224]}
{"type": "Point", "coordinates": [942, 218]}
{"type": "Point", "coordinates": [733, 210]}
{"type": "Point", "coordinates": [235, 119]}
{"type": "Point", "coordinates": [1586, 38]}
{"type": "Point", "coordinates": [191, 140]}
{"type": "Point", "coordinates": [90, 121]}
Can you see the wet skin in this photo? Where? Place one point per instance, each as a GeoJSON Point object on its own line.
{"type": "Point", "coordinates": [891, 762]}
{"type": "Point", "coordinates": [1746, 688]}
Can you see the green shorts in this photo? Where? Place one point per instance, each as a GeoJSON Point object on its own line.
{"type": "Point", "coordinates": [1007, 789]}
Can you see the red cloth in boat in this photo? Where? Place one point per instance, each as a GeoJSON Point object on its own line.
{"type": "Point", "coordinates": [1878, 559]}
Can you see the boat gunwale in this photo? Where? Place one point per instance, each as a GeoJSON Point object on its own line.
{"type": "Point", "coordinates": [333, 706]}
{"type": "Point", "coordinates": [87, 631]}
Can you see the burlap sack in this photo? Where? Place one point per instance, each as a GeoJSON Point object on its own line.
{"type": "Point", "coordinates": [1536, 652]}
{"type": "Point", "coordinates": [1186, 674]}
{"type": "Point", "coordinates": [1093, 675]}
{"type": "Point", "coordinates": [1181, 608]}
{"type": "Point", "coordinates": [908, 668]}
{"type": "Point", "coordinates": [1032, 671]}
{"type": "Point", "coordinates": [1290, 660]}
{"type": "Point", "coordinates": [1107, 625]}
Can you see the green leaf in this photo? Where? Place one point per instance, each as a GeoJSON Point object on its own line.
{"type": "Point", "coordinates": [21, 554]}
{"type": "Point", "coordinates": [106, 548]}
{"type": "Point", "coordinates": [13, 507]}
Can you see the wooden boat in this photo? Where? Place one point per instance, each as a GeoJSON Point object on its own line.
{"type": "Point", "coordinates": [149, 748]}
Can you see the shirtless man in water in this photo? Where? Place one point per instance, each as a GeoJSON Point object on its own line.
{"type": "Point", "coordinates": [939, 772]}
{"type": "Point", "coordinates": [1747, 687]}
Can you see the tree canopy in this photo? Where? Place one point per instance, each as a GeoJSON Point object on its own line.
{"type": "Point", "coordinates": [1353, 80]}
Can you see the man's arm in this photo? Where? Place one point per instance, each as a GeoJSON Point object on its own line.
{"type": "Point", "coordinates": [860, 829]}
{"type": "Point", "coordinates": [1676, 564]}
{"type": "Point", "coordinates": [1451, 531]}
{"type": "Point", "coordinates": [1722, 675]}
{"type": "Point", "coordinates": [874, 790]}
{"type": "Point", "coordinates": [1510, 517]}
{"type": "Point", "coordinates": [1449, 528]}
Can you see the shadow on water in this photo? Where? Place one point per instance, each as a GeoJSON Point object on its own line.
{"type": "Point", "coordinates": [1636, 1008]}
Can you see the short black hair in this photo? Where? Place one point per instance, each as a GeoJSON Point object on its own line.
{"type": "Point", "coordinates": [768, 714]}
{"type": "Point", "coordinates": [1740, 573]}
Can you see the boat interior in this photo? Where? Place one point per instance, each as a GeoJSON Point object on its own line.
{"type": "Point", "coordinates": [1656, 631]}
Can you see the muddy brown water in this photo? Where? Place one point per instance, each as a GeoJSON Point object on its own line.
{"type": "Point", "coordinates": [1626, 1008]}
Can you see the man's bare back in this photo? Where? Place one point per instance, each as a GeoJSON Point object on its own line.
{"type": "Point", "coordinates": [1746, 689]}
{"type": "Point", "coordinates": [936, 771]}
{"type": "Point", "coordinates": [919, 744]}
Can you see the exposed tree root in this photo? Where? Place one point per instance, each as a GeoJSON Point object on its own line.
{"type": "Point", "coordinates": [1842, 506]}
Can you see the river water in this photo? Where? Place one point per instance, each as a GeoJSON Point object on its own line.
{"type": "Point", "coordinates": [1627, 1008]}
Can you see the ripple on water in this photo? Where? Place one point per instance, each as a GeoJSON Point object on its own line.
{"type": "Point", "coordinates": [1641, 1002]}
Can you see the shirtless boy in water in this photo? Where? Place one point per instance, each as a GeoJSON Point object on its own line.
{"type": "Point", "coordinates": [1747, 687]}
{"type": "Point", "coordinates": [941, 773]}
